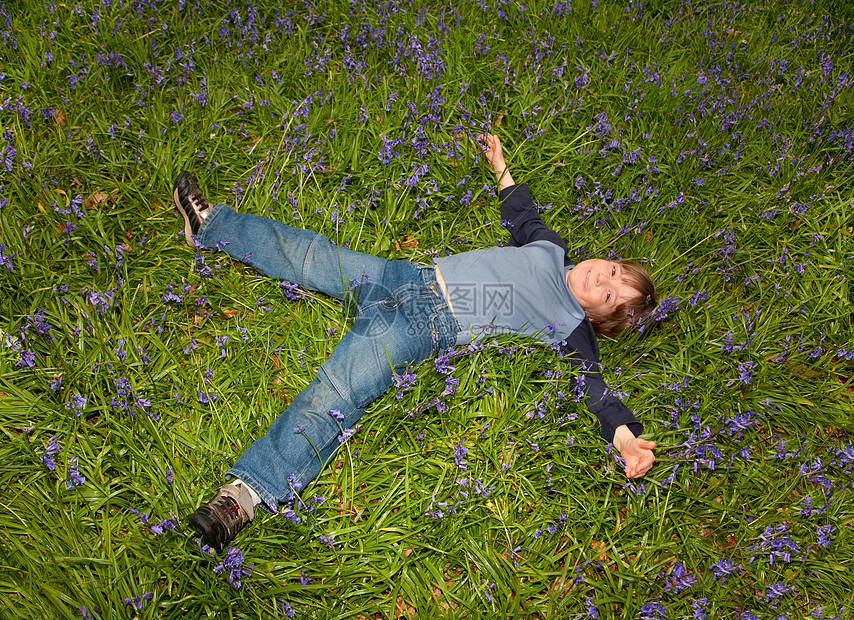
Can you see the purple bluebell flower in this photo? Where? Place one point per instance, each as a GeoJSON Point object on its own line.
{"type": "Point", "coordinates": [101, 300]}
{"type": "Point", "coordinates": [137, 601]}
{"type": "Point", "coordinates": [699, 607]}
{"type": "Point", "coordinates": [459, 453]}
{"type": "Point", "coordinates": [203, 268]}
{"type": "Point", "coordinates": [679, 579]}
{"type": "Point", "coordinates": [170, 295]}
{"type": "Point", "coordinates": [823, 533]}
{"type": "Point", "coordinates": [722, 569]}
{"type": "Point", "coordinates": [142, 516]}
{"type": "Point", "coordinates": [451, 384]}
{"type": "Point", "coordinates": [76, 404]}
{"type": "Point", "coordinates": [233, 563]}
{"type": "Point", "coordinates": [745, 372]}
{"type": "Point", "coordinates": [583, 78]}
{"type": "Point", "coordinates": [206, 398]}
{"type": "Point", "coordinates": [347, 433]}
{"type": "Point", "coordinates": [50, 450]}
{"type": "Point", "coordinates": [329, 541]}
{"type": "Point", "coordinates": [653, 610]}
{"type": "Point", "coordinates": [75, 478]}
{"type": "Point", "coordinates": [482, 490]}
{"type": "Point", "coordinates": [26, 358]}
{"type": "Point", "coordinates": [774, 591]}
{"type": "Point", "coordinates": [7, 260]}
{"type": "Point", "coordinates": [664, 308]}
{"type": "Point", "coordinates": [775, 544]}
{"type": "Point", "coordinates": [165, 524]}
{"type": "Point", "coordinates": [291, 291]}
{"type": "Point", "coordinates": [288, 513]}
{"type": "Point", "coordinates": [592, 610]}
{"type": "Point", "coordinates": [403, 382]}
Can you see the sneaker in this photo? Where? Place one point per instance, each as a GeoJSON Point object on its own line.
{"type": "Point", "coordinates": [219, 521]}
{"type": "Point", "coordinates": [191, 203]}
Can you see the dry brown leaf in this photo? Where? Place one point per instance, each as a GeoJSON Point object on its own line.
{"type": "Point", "coordinates": [59, 117]}
{"type": "Point", "coordinates": [601, 548]}
{"type": "Point", "coordinates": [410, 242]}
{"type": "Point", "coordinates": [98, 198]}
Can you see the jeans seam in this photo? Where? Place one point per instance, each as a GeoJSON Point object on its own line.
{"type": "Point", "coordinates": [307, 259]}
{"type": "Point", "coordinates": [335, 386]}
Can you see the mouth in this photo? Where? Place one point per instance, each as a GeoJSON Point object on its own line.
{"type": "Point", "coordinates": [587, 280]}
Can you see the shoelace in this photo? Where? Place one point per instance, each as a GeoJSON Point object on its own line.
{"type": "Point", "coordinates": [198, 201]}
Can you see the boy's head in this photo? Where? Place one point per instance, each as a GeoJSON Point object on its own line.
{"type": "Point", "coordinates": [613, 294]}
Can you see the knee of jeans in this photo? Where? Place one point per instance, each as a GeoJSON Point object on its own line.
{"type": "Point", "coordinates": [359, 382]}
{"type": "Point", "coordinates": [307, 266]}
{"type": "Point", "coordinates": [337, 384]}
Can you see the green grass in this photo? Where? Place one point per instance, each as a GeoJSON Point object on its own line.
{"type": "Point", "coordinates": [711, 140]}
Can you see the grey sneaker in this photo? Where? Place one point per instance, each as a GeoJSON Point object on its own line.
{"type": "Point", "coordinates": [191, 203]}
{"type": "Point", "coordinates": [219, 521]}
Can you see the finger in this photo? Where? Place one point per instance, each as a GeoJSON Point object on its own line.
{"type": "Point", "coordinates": [644, 468]}
{"type": "Point", "coordinates": [640, 468]}
{"type": "Point", "coordinates": [645, 444]}
{"type": "Point", "coordinates": [631, 469]}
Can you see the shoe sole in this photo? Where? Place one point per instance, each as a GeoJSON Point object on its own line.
{"type": "Point", "coordinates": [188, 230]}
{"type": "Point", "coordinates": [205, 532]}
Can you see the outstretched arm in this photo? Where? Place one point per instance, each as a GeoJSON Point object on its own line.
{"type": "Point", "coordinates": [518, 213]}
{"type": "Point", "coordinates": [495, 158]}
{"type": "Point", "coordinates": [617, 424]}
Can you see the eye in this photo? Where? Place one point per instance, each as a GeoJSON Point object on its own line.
{"type": "Point", "coordinates": [608, 296]}
{"type": "Point", "coordinates": [613, 270]}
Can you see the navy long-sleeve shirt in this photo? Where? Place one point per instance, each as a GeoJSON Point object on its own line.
{"type": "Point", "coordinates": [522, 289]}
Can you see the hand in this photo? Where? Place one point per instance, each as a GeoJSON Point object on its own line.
{"type": "Point", "coordinates": [495, 158]}
{"type": "Point", "coordinates": [636, 452]}
{"type": "Point", "coordinates": [493, 152]}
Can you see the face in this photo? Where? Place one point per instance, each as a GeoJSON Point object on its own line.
{"type": "Point", "coordinates": [598, 287]}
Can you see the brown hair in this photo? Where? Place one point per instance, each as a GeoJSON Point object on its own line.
{"type": "Point", "coordinates": [633, 311]}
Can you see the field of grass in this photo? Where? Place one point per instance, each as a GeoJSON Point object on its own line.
{"type": "Point", "coordinates": [711, 139]}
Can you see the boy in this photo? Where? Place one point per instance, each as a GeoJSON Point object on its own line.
{"type": "Point", "coordinates": [404, 313]}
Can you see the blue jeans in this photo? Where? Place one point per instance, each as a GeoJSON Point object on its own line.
{"type": "Point", "coordinates": [401, 318]}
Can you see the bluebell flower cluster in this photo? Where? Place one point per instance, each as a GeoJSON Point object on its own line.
{"type": "Point", "coordinates": [234, 566]}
